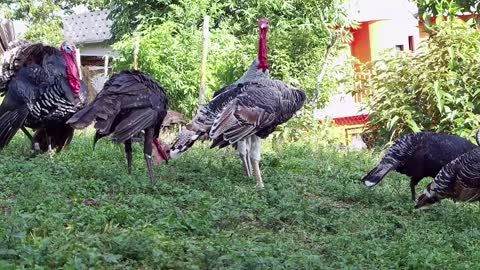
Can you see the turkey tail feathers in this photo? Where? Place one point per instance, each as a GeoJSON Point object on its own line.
{"type": "Point", "coordinates": [377, 174]}
{"type": "Point", "coordinates": [184, 141]}
{"type": "Point", "coordinates": [10, 123]}
{"type": "Point", "coordinates": [83, 118]}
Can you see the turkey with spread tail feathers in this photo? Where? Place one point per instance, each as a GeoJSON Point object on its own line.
{"type": "Point", "coordinates": [130, 102]}
{"type": "Point", "coordinates": [42, 90]}
{"type": "Point", "coordinates": [418, 155]}
{"type": "Point", "coordinates": [458, 180]}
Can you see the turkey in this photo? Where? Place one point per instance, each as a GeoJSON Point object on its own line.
{"type": "Point", "coordinates": [202, 122]}
{"type": "Point", "coordinates": [418, 155]}
{"type": "Point", "coordinates": [458, 180]}
{"type": "Point", "coordinates": [253, 115]}
{"type": "Point", "coordinates": [42, 90]}
{"type": "Point", "coordinates": [130, 102]}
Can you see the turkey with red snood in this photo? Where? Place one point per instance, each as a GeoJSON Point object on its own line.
{"type": "Point", "coordinates": [245, 112]}
{"type": "Point", "coordinates": [42, 91]}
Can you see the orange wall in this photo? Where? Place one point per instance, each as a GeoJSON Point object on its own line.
{"type": "Point", "coordinates": [360, 45]}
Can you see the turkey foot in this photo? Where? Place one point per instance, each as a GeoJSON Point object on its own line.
{"type": "Point", "coordinates": [258, 174]}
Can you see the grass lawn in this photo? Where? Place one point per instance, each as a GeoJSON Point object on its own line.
{"type": "Point", "coordinates": [82, 210]}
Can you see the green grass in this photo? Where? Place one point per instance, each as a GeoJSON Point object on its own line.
{"type": "Point", "coordinates": [82, 210]}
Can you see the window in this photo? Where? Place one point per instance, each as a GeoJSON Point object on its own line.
{"type": "Point", "coordinates": [411, 45]}
{"type": "Point", "coordinates": [399, 47]}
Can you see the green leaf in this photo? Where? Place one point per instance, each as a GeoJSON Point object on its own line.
{"type": "Point", "coordinates": [392, 122]}
{"type": "Point", "coordinates": [413, 126]}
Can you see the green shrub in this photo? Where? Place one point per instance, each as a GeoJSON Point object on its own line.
{"type": "Point", "coordinates": [172, 54]}
{"type": "Point", "coordinates": [171, 43]}
{"type": "Point", "coordinates": [436, 88]}
{"type": "Point", "coordinates": [305, 129]}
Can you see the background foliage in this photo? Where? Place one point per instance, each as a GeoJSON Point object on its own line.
{"type": "Point", "coordinates": [447, 7]}
{"type": "Point", "coordinates": [301, 32]}
{"type": "Point", "coordinates": [43, 17]}
{"type": "Point", "coordinates": [437, 88]}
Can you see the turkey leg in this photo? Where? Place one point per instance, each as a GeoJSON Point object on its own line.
{"type": "Point", "coordinates": [147, 153]}
{"type": "Point", "coordinates": [49, 144]}
{"type": "Point", "coordinates": [248, 142]}
{"type": "Point", "coordinates": [242, 150]}
{"type": "Point", "coordinates": [29, 136]}
{"type": "Point", "coordinates": [255, 156]}
{"type": "Point", "coordinates": [413, 184]}
{"type": "Point", "coordinates": [128, 153]}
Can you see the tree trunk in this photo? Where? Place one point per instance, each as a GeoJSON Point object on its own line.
{"type": "Point", "coordinates": [322, 73]}
{"type": "Point", "coordinates": [203, 70]}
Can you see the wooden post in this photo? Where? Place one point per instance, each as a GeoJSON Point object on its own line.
{"type": "Point", "coordinates": [79, 64]}
{"type": "Point", "coordinates": [135, 53]}
{"type": "Point", "coordinates": [203, 70]}
{"type": "Point", "coordinates": [105, 66]}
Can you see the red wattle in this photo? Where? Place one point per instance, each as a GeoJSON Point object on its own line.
{"type": "Point", "coordinates": [156, 154]}
{"type": "Point", "coordinates": [72, 71]}
{"type": "Point", "coordinates": [262, 50]}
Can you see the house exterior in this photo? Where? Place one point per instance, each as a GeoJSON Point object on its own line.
{"type": "Point", "coordinates": [382, 25]}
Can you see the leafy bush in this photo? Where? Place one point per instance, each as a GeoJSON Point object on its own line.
{"type": "Point", "coordinates": [171, 42]}
{"type": "Point", "coordinates": [172, 54]}
{"type": "Point", "coordinates": [437, 88]}
{"type": "Point", "coordinates": [304, 128]}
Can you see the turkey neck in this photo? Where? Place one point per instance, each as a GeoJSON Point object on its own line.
{"type": "Point", "coordinates": [72, 71]}
{"type": "Point", "coordinates": [262, 50]}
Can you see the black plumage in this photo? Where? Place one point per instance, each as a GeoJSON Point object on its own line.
{"type": "Point", "coordinates": [37, 86]}
{"type": "Point", "coordinates": [418, 155]}
{"type": "Point", "coordinates": [458, 180]}
{"type": "Point", "coordinates": [200, 126]}
{"type": "Point", "coordinates": [257, 110]}
{"type": "Point", "coordinates": [203, 121]}
{"type": "Point", "coordinates": [251, 116]}
{"type": "Point", "coordinates": [129, 103]}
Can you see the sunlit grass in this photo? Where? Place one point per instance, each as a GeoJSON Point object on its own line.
{"type": "Point", "coordinates": [82, 210]}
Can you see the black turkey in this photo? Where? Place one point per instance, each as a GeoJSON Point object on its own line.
{"type": "Point", "coordinates": [458, 180]}
{"type": "Point", "coordinates": [203, 121]}
{"type": "Point", "coordinates": [418, 155]}
{"type": "Point", "coordinates": [42, 91]}
{"type": "Point", "coordinates": [130, 102]}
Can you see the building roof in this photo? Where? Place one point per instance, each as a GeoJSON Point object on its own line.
{"type": "Point", "coordinates": [370, 10]}
{"type": "Point", "coordinates": [90, 27]}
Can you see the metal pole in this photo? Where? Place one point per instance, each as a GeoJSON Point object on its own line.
{"type": "Point", "coordinates": [203, 70]}
{"type": "Point", "coordinates": [105, 66]}
{"type": "Point", "coordinates": [79, 64]}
